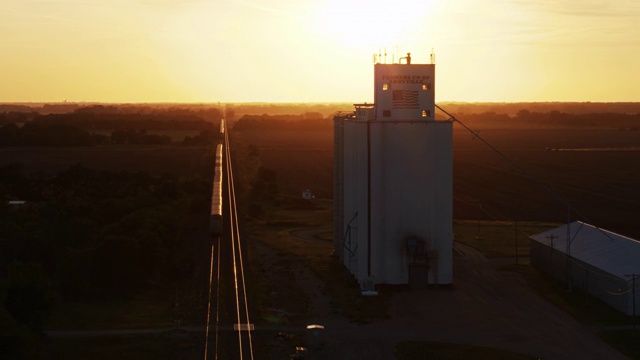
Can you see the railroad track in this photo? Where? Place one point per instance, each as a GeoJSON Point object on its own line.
{"type": "Point", "coordinates": [228, 302]}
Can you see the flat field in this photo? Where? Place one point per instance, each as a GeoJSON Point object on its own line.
{"type": "Point", "coordinates": [302, 159]}
{"type": "Point", "coordinates": [592, 171]}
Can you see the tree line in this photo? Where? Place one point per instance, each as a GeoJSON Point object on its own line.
{"type": "Point", "coordinates": [543, 107]}
{"type": "Point", "coordinates": [553, 119]}
{"type": "Point", "coordinates": [522, 118]}
{"type": "Point", "coordinates": [102, 122]}
{"type": "Point", "coordinates": [205, 110]}
{"type": "Point", "coordinates": [54, 133]}
{"type": "Point", "coordinates": [304, 122]}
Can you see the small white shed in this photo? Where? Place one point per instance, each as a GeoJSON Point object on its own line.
{"type": "Point", "coordinates": [307, 194]}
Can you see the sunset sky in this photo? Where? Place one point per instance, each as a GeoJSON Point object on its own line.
{"type": "Point", "coordinates": [315, 50]}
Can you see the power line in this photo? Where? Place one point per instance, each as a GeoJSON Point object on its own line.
{"type": "Point", "coordinates": [524, 172]}
{"type": "Point", "coordinates": [233, 249]}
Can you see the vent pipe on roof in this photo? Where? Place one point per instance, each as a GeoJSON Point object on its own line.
{"type": "Point", "coordinates": [408, 58]}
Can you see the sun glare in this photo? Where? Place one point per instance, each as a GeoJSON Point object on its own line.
{"type": "Point", "coordinates": [373, 24]}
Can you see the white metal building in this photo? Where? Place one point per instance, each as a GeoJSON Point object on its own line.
{"type": "Point", "coordinates": [601, 262]}
{"type": "Point", "coordinates": [393, 182]}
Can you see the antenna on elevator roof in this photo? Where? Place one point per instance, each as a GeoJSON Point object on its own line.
{"type": "Point", "coordinates": [432, 57]}
{"type": "Point", "coordinates": [385, 55]}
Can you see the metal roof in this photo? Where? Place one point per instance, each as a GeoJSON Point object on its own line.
{"type": "Point", "coordinates": [613, 253]}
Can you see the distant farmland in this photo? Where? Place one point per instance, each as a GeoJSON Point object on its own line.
{"type": "Point", "coordinates": [601, 185]}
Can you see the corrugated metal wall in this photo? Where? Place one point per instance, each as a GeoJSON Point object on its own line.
{"type": "Point", "coordinates": [612, 290]}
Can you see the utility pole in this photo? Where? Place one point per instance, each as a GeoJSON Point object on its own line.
{"type": "Point", "coordinates": [176, 321]}
{"type": "Point", "coordinates": [568, 251]}
{"type": "Point", "coordinates": [479, 214]}
{"type": "Point", "coordinates": [633, 297]}
{"type": "Point", "coordinates": [551, 237]}
{"type": "Point", "coordinates": [515, 230]}
{"type": "Point", "coordinates": [515, 223]}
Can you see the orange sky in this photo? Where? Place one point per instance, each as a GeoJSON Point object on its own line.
{"type": "Point", "coordinates": [315, 50]}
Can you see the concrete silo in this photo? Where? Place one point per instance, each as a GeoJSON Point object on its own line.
{"type": "Point", "coordinates": [393, 182]}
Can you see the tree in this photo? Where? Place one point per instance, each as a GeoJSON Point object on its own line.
{"type": "Point", "coordinates": [265, 186]}
{"type": "Point", "coordinates": [9, 134]}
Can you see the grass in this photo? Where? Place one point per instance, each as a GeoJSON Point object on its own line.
{"type": "Point", "coordinates": [627, 341]}
{"type": "Point", "coordinates": [275, 230]}
{"type": "Point", "coordinates": [347, 300]}
{"type": "Point", "coordinates": [585, 308]}
{"type": "Point", "coordinates": [165, 346]}
{"type": "Point", "coordinates": [316, 253]}
{"type": "Point", "coordinates": [148, 311]}
{"type": "Point", "coordinates": [498, 238]}
{"type": "Point", "coordinates": [576, 302]}
{"type": "Point", "coordinates": [409, 350]}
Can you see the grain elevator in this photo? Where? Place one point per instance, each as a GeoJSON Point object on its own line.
{"type": "Point", "coordinates": [393, 182]}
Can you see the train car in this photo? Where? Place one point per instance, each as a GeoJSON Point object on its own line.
{"type": "Point", "coordinates": [215, 218]}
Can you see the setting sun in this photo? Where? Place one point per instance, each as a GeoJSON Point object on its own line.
{"type": "Point", "coordinates": [353, 24]}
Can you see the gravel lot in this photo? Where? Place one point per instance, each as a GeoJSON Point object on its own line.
{"type": "Point", "coordinates": [485, 307]}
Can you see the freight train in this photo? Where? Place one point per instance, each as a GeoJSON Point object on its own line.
{"type": "Point", "coordinates": [215, 218]}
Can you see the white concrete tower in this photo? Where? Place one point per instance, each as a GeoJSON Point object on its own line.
{"type": "Point", "coordinates": [393, 182]}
